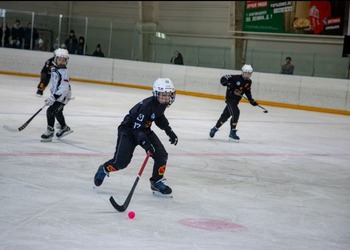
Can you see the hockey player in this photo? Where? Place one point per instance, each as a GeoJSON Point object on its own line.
{"type": "Point", "coordinates": [236, 85]}
{"type": "Point", "coordinates": [136, 130]}
{"type": "Point", "coordinates": [60, 95]}
{"type": "Point", "coordinates": [45, 75]}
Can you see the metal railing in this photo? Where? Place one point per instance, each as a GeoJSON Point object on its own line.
{"type": "Point", "coordinates": [150, 43]}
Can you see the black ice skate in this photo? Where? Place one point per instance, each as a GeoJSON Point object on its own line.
{"type": "Point", "coordinates": [160, 189]}
{"type": "Point", "coordinates": [100, 175]}
{"type": "Point", "coordinates": [47, 136]}
{"type": "Point", "coordinates": [233, 136]}
{"type": "Point", "coordinates": [213, 131]}
{"type": "Point", "coordinates": [39, 93]}
{"type": "Point", "coordinates": [64, 131]}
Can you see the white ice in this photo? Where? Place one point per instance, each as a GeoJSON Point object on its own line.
{"type": "Point", "coordinates": [285, 185]}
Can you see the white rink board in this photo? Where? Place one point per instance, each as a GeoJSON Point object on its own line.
{"type": "Point", "coordinates": [316, 92]}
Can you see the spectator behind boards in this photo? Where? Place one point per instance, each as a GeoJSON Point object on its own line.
{"type": "Point", "coordinates": [81, 44]}
{"type": "Point", "coordinates": [5, 33]}
{"type": "Point", "coordinates": [177, 58]}
{"type": "Point", "coordinates": [28, 42]}
{"type": "Point", "coordinates": [287, 68]}
{"type": "Point", "coordinates": [98, 52]}
{"type": "Point", "coordinates": [17, 34]}
{"type": "Point", "coordinates": [41, 45]}
{"type": "Point", "coordinates": [71, 43]}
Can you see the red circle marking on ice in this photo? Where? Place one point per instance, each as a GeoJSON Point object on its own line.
{"type": "Point", "coordinates": [212, 225]}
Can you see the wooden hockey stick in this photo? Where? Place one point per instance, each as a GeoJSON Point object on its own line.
{"type": "Point", "coordinates": [122, 208]}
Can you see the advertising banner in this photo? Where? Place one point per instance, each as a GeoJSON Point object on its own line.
{"type": "Point", "coordinates": [303, 17]}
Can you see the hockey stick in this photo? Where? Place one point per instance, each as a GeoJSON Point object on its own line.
{"type": "Point", "coordinates": [24, 125]}
{"type": "Point", "coordinates": [265, 110]}
{"type": "Point", "coordinates": [122, 208]}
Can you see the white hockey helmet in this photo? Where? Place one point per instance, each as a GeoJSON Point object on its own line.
{"type": "Point", "coordinates": [61, 53]}
{"type": "Point", "coordinates": [247, 68]}
{"type": "Point", "coordinates": [247, 71]}
{"type": "Point", "coordinates": [164, 85]}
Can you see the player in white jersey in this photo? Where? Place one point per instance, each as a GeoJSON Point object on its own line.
{"type": "Point", "coordinates": [60, 96]}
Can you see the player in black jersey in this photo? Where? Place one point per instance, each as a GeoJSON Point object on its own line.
{"type": "Point", "coordinates": [237, 85]}
{"type": "Point", "coordinates": [45, 76]}
{"type": "Point", "coordinates": [136, 130]}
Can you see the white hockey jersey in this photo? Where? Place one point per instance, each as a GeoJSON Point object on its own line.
{"type": "Point", "coordinates": [60, 87]}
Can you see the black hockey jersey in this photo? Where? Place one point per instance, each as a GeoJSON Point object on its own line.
{"type": "Point", "coordinates": [236, 83]}
{"type": "Point", "coordinates": [142, 115]}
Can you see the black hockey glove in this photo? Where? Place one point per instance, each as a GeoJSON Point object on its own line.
{"type": "Point", "coordinates": [253, 102]}
{"type": "Point", "coordinates": [225, 83]}
{"type": "Point", "coordinates": [148, 147]}
{"type": "Point", "coordinates": [172, 136]}
{"type": "Point", "coordinates": [224, 80]}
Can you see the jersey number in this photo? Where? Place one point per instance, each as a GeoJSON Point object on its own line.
{"type": "Point", "coordinates": [138, 121]}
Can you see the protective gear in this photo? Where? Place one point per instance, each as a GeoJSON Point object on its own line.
{"type": "Point", "coordinates": [247, 71]}
{"type": "Point", "coordinates": [213, 131]}
{"type": "Point", "coordinates": [47, 136]}
{"type": "Point", "coordinates": [224, 81]}
{"type": "Point", "coordinates": [247, 68]}
{"type": "Point", "coordinates": [159, 186]}
{"type": "Point", "coordinates": [233, 134]}
{"type": "Point", "coordinates": [164, 85]}
{"type": "Point", "coordinates": [63, 132]}
{"type": "Point", "coordinates": [41, 86]}
{"type": "Point", "coordinates": [39, 92]}
{"type": "Point", "coordinates": [148, 147]}
{"type": "Point", "coordinates": [172, 136]}
{"type": "Point", "coordinates": [61, 53]}
{"type": "Point", "coordinates": [100, 175]}
{"type": "Point", "coordinates": [50, 100]}
{"type": "Point", "coordinates": [253, 102]}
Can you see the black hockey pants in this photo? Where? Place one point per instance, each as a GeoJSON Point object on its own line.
{"type": "Point", "coordinates": [231, 110]}
{"type": "Point", "coordinates": [55, 111]}
{"type": "Point", "coordinates": [125, 147]}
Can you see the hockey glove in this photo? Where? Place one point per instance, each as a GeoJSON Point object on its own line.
{"type": "Point", "coordinates": [252, 102]}
{"type": "Point", "coordinates": [172, 136]}
{"type": "Point", "coordinates": [148, 147]}
{"type": "Point", "coordinates": [50, 100]}
{"type": "Point", "coordinates": [225, 83]}
{"type": "Point", "coordinates": [224, 80]}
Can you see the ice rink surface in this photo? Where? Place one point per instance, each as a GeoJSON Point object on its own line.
{"type": "Point", "coordinates": [285, 185]}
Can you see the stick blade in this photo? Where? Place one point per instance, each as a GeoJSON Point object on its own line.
{"type": "Point", "coordinates": [10, 129]}
{"type": "Point", "coordinates": [116, 206]}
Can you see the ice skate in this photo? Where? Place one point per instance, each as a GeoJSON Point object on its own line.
{"type": "Point", "coordinates": [47, 136]}
{"type": "Point", "coordinates": [160, 189]}
{"type": "Point", "coordinates": [233, 136]}
{"type": "Point", "coordinates": [100, 175]}
{"type": "Point", "coordinates": [39, 93]}
{"type": "Point", "coordinates": [64, 131]}
{"type": "Point", "coordinates": [213, 131]}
